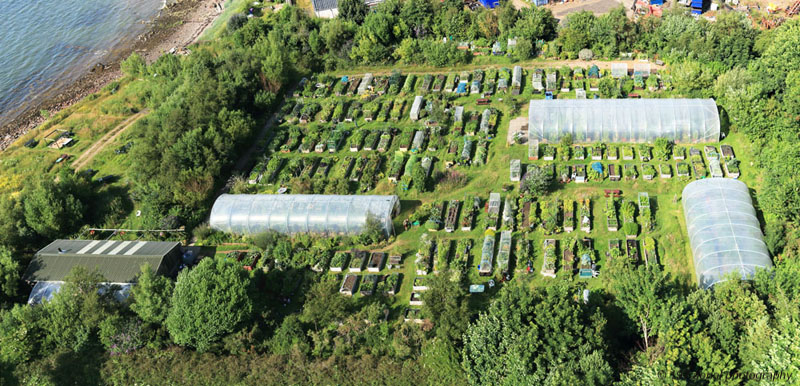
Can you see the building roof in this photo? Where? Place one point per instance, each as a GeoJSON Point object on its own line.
{"type": "Point", "coordinates": [117, 261]}
{"type": "Point", "coordinates": [324, 5]}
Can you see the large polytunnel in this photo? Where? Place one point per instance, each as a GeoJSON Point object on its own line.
{"type": "Point", "coordinates": [301, 213]}
{"type": "Point", "coordinates": [624, 120]}
{"type": "Point", "coordinates": [724, 231]}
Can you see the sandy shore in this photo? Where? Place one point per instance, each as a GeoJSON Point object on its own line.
{"type": "Point", "coordinates": [176, 27]}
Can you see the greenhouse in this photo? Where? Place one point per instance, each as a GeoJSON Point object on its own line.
{"type": "Point", "coordinates": [301, 213]}
{"type": "Point", "coordinates": [624, 120]}
{"type": "Point", "coordinates": [415, 108]}
{"type": "Point", "coordinates": [724, 231]}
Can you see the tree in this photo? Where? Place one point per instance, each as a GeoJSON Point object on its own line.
{"type": "Point", "coordinates": [537, 180]}
{"type": "Point", "coordinates": [21, 333]}
{"type": "Point", "coordinates": [74, 314]}
{"type": "Point", "coordinates": [151, 296]}
{"type": "Point", "coordinates": [209, 301]}
{"type": "Point", "coordinates": [353, 10]}
{"type": "Point", "coordinates": [539, 336]}
{"type": "Point", "coordinates": [50, 209]}
{"type": "Point", "coordinates": [640, 292]}
{"type": "Point", "coordinates": [609, 87]}
{"type": "Point", "coordinates": [9, 275]}
{"type": "Point", "coordinates": [446, 304]}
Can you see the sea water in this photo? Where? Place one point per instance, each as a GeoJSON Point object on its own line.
{"type": "Point", "coordinates": [47, 44]}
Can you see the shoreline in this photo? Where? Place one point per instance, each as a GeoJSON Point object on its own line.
{"type": "Point", "coordinates": [175, 27]}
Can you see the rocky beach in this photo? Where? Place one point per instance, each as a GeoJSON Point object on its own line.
{"type": "Point", "coordinates": [177, 26]}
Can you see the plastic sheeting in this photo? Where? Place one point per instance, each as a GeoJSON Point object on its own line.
{"type": "Point", "coordinates": [301, 213]}
{"type": "Point", "coordinates": [724, 231]}
{"type": "Point", "coordinates": [624, 120]}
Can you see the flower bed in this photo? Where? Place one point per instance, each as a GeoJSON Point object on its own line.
{"type": "Point", "coordinates": [359, 258]}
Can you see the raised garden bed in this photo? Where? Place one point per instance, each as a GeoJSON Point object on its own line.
{"type": "Point", "coordinates": [368, 285]}
{"type": "Point", "coordinates": [395, 261]}
{"type": "Point", "coordinates": [390, 284]}
{"type": "Point", "coordinates": [349, 285]}
{"type": "Point", "coordinates": [339, 261]}
{"type": "Point", "coordinates": [614, 173]}
{"type": "Point", "coordinates": [548, 152]}
{"type": "Point", "coordinates": [504, 252]}
{"type": "Point", "coordinates": [452, 216]}
{"type": "Point", "coordinates": [371, 141]}
{"type": "Point", "coordinates": [442, 255]}
{"type": "Point", "coordinates": [596, 152]}
{"type": "Point", "coordinates": [727, 152]}
{"type": "Point", "coordinates": [665, 170]}
{"type": "Point", "coordinates": [551, 217]}
{"type": "Point", "coordinates": [420, 284]}
{"type": "Point", "coordinates": [649, 246]}
{"type": "Point", "coordinates": [679, 153]}
{"type": "Point", "coordinates": [396, 167]}
{"type": "Point", "coordinates": [564, 174]}
{"type": "Point", "coordinates": [415, 299]}
{"type": "Point", "coordinates": [732, 168]}
{"type": "Point", "coordinates": [549, 258]}
{"type": "Point", "coordinates": [682, 169]}
{"type": "Point", "coordinates": [627, 153]}
{"type": "Point", "coordinates": [385, 142]}
{"type": "Point", "coordinates": [612, 153]}
{"type": "Point", "coordinates": [436, 217]}
{"type": "Point", "coordinates": [632, 247]}
{"type": "Point", "coordinates": [614, 249]}
{"type": "Point", "coordinates": [460, 261]}
{"type": "Point", "coordinates": [568, 257]}
{"type": "Point", "coordinates": [376, 261]}
{"type": "Point", "coordinates": [413, 315]}
{"type": "Point", "coordinates": [648, 171]}
{"type": "Point", "coordinates": [579, 173]}
{"type": "Point", "coordinates": [468, 219]}
{"type": "Point", "coordinates": [359, 258]}
{"type": "Point", "coordinates": [585, 215]}
{"type": "Point", "coordinates": [612, 222]}
{"type": "Point", "coordinates": [578, 152]}
{"type": "Point", "coordinates": [569, 215]}
{"type": "Point", "coordinates": [424, 255]}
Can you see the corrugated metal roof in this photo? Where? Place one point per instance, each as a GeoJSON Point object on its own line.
{"type": "Point", "coordinates": [117, 261]}
{"type": "Point", "coordinates": [324, 5]}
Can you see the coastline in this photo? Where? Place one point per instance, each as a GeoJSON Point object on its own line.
{"type": "Point", "coordinates": [176, 27]}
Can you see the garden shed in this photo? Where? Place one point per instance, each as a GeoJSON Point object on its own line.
{"type": "Point", "coordinates": [415, 108]}
{"type": "Point", "coordinates": [487, 253]}
{"type": "Point", "coordinates": [516, 80]}
{"type": "Point", "coordinates": [724, 230]}
{"type": "Point", "coordinates": [619, 70]}
{"type": "Point", "coordinates": [365, 83]}
{"type": "Point", "coordinates": [301, 213]}
{"type": "Point", "coordinates": [624, 120]}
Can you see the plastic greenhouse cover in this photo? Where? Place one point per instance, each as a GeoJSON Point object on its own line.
{"type": "Point", "coordinates": [300, 213]}
{"type": "Point", "coordinates": [624, 120]}
{"type": "Point", "coordinates": [723, 230]}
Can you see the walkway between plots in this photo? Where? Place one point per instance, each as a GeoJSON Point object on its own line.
{"type": "Point", "coordinates": [110, 137]}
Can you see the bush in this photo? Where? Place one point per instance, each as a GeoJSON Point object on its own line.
{"type": "Point", "coordinates": [585, 54]}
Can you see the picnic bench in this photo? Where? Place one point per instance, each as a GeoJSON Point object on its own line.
{"type": "Point", "coordinates": [612, 192]}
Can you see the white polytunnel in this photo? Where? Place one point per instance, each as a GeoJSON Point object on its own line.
{"type": "Point", "coordinates": [624, 120]}
{"type": "Point", "coordinates": [724, 231]}
{"type": "Point", "coordinates": [301, 213]}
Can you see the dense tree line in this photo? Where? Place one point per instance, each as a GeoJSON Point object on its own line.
{"type": "Point", "coordinates": [220, 324]}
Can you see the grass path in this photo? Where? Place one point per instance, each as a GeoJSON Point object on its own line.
{"type": "Point", "coordinates": [110, 137]}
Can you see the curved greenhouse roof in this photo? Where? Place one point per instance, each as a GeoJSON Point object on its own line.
{"type": "Point", "coordinates": [301, 213]}
{"type": "Point", "coordinates": [723, 229]}
{"type": "Point", "coordinates": [624, 120]}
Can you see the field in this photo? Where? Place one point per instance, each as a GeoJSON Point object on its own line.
{"type": "Point", "coordinates": [293, 160]}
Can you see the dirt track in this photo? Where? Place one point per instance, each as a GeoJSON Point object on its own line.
{"type": "Point", "coordinates": [107, 139]}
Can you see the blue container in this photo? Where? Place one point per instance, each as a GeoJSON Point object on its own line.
{"type": "Point", "coordinates": [490, 3]}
